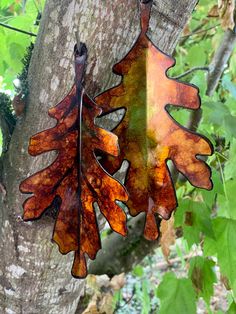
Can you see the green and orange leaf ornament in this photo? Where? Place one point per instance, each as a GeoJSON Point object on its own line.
{"type": "Point", "coordinates": [148, 135]}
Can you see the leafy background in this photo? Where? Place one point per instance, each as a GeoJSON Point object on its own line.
{"type": "Point", "coordinates": [196, 273]}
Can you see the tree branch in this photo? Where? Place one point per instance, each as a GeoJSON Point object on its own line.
{"type": "Point", "coordinates": [220, 60]}
{"type": "Point", "coordinates": [216, 69]}
{"type": "Point", "coordinates": [190, 71]}
{"type": "Point", "coordinates": [119, 254]}
{"type": "Point", "coordinates": [17, 30]}
{"type": "Point", "coordinates": [201, 31]}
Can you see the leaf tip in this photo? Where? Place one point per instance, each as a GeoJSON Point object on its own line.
{"type": "Point", "coordinates": [79, 268]}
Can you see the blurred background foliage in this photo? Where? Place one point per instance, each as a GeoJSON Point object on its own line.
{"type": "Point", "coordinates": [25, 16]}
{"type": "Point", "coordinates": [196, 273]}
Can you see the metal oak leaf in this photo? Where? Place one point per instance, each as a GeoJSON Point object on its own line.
{"type": "Point", "coordinates": [148, 135]}
{"type": "Point", "coordinates": [75, 179]}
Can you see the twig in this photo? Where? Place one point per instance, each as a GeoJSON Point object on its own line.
{"type": "Point", "coordinates": [17, 29]}
{"type": "Point", "coordinates": [36, 6]}
{"type": "Point", "coordinates": [184, 38]}
{"type": "Point", "coordinates": [175, 260]}
{"type": "Point", "coordinates": [201, 31]}
{"type": "Point", "coordinates": [220, 60]}
{"type": "Point", "coordinates": [191, 71]}
{"type": "Point", "coordinates": [118, 307]}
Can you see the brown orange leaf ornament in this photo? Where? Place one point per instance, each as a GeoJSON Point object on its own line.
{"type": "Point", "coordinates": [75, 180]}
{"type": "Point", "coordinates": [148, 135]}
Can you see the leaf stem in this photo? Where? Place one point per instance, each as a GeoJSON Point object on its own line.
{"type": "Point", "coordinates": [221, 155]}
{"type": "Point", "coordinates": [223, 178]}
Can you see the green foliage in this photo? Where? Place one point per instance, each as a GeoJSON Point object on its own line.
{"type": "Point", "coordinates": [176, 295]}
{"type": "Point", "coordinates": [203, 277]}
{"type": "Point", "coordinates": [139, 294]}
{"type": "Point", "coordinates": [23, 76]}
{"type": "Point", "coordinates": [225, 238]}
{"type": "Point", "coordinates": [21, 15]}
{"type": "Point", "coordinates": [194, 218]}
{"type": "Point", "coordinates": [144, 295]}
{"type": "Point", "coordinates": [138, 271]}
{"type": "Point", "coordinates": [232, 309]}
{"type": "Point", "coordinates": [230, 164]}
{"type": "Point", "coordinates": [6, 110]}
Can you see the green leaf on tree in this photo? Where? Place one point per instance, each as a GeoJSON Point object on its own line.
{"type": "Point", "coordinates": [176, 295]}
{"type": "Point", "coordinates": [203, 277]}
{"type": "Point", "coordinates": [225, 234]}
{"type": "Point", "coordinates": [209, 247]}
{"type": "Point", "coordinates": [232, 308]}
{"type": "Point", "coordinates": [194, 218]}
{"type": "Point", "coordinates": [138, 271]}
{"type": "Point", "coordinates": [227, 203]}
{"type": "Point", "coordinates": [230, 165]}
{"type": "Point", "coordinates": [229, 85]}
{"type": "Point", "coordinates": [209, 197]}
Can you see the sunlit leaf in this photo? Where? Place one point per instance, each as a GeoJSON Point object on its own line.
{"type": "Point", "coordinates": [203, 276]}
{"type": "Point", "coordinates": [194, 218]}
{"type": "Point", "coordinates": [225, 235]}
{"type": "Point", "coordinates": [176, 295]}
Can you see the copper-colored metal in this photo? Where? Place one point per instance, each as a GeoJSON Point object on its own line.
{"type": "Point", "coordinates": [148, 135]}
{"type": "Point", "coordinates": [76, 176]}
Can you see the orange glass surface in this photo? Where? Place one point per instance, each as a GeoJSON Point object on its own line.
{"type": "Point", "coordinates": [148, 135]}
{"type": "Point", "coordinates": [76, 177]}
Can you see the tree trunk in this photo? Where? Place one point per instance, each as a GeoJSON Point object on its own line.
{"type": "Point", "coordinates": [35, 278]}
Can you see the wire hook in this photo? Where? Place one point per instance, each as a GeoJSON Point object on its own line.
{"type": "Point", "coordinates": [145, 1]}
{"type": "Point", "coordinates": [145, 11]}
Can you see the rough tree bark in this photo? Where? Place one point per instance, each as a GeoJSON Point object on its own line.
{"type": "Point", "coordinates": [34, 277]}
